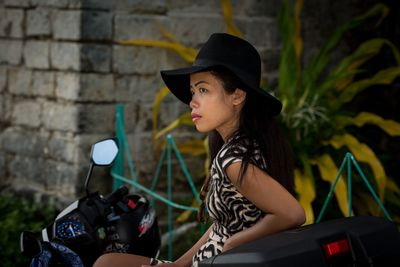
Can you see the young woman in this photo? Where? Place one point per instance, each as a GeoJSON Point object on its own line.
{"type": "Point", "coordinates": [249, 192]}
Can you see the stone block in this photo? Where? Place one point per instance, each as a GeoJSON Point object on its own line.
{"type": "Point", "coordinates": [51, 3]}
{"type": "Point", "coordinates": [2, 111]}
{"type": "Point", "coordinates": [97, 118]}
{"type": "Point", "coordinates": [65, 56]}
{"type": "Point", "coordinates": [88, 87]}
{"type": "Point", "coordinates": [138, 27]}
{"type": "Point", "coordinates": [38, 22]}
{"type": "Point", "coordinates": [10, 52]}
{"type": "Point", "coordinates": [17, 3]}
{"type": "Point", "coordinates": [25, 142]}
{"type": "Point", "coordinates": [19, 81]}
{"type": "Point", "coordinates": [61, 177]}
{"type": "Point", "coordinates": [43, 83]}
{"type": "Point", "coordinates": [138, 117]}
{"type": "Point", "coordinates": [26, 113]}
{"type": "Point", "coordinates": [36, 54]}
{"type": "Point", "coordinates": [261, 32]}
{"type": "Point", "coordinates": [62, 149]}
{"type": "Point", "coordinates": [97, 88]}
{"type": "Point", "coordinates": [128, 88]}
{"type": "Point", "coordinates": [67, 24]}
{"type": "Point", "coordinates": [95, 4]}
{"type": "Point", "coordinates": [182, 25]}
{"type": "Point", "coordinates": [141, 147]}
{"type": "Point", "coordinates": [2, 164]}
{"type": "Point", "coordinates": [96, 25]}
{"type": "Point", "coordinates": [95, 58]}
{"type": "Point", "coordinates": [194, 7]}
{"type": "Point", "coordinates": [141, 7]}
{"type": "Point", "coordinates": [137, 59]}
{"type": "Point", "coordinates": [3, 78]}
{"type": "Point", "coordinates": [5, 108]}
{"type": "Point", "coordinates": [62, 117]}
{"type": "Point", "coordinates": [27, 170]}
{"type": "Point", "coordinates": [57, 147]}
{"type": "Point", "coordinates": [251, 8]}
{"type": "Point", "coordinates": [67, 85]}
{"type": "Point", "coordinates": [11, 23]}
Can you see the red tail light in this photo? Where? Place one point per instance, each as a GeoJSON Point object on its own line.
{"type": "Point", "coordinates": [337, 248]}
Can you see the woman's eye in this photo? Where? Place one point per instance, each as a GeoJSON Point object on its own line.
{"type": "Point", "coordinates": [202, 90]}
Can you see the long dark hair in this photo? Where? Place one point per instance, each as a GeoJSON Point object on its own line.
{"type": "Point", "coordinates": [254, 124]}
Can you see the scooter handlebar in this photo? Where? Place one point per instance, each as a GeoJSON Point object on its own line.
{"type": "Point", "coordinates": [117, 195]}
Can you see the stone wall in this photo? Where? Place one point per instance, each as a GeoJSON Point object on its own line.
{"type": "Point", "coordinates": [62, 72]}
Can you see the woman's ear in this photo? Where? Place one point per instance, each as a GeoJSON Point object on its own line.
{"type": "Point", "coordinates": [238, 96]}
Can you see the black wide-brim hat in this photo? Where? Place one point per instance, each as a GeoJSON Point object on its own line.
{"type": "Point", "coordinates": [229, 51]}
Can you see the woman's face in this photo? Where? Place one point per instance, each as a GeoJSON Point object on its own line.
{"type": "Point", "coordinates": [213, 108]}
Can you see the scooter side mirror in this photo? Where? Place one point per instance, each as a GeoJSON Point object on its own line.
{"type": "Point", "coordinates": [104, 152]}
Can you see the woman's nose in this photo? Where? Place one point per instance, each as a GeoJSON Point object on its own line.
{"type": "Point", "coordinates": [193, 103]}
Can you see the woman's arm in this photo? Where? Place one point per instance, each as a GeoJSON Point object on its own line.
{"type": "Point", "coordinates": [186, 259]}
{"type": "Point", "coordinates": [282, 210]}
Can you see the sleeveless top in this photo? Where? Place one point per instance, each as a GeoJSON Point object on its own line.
{"type": "Point", "coordinates": [229, 210]}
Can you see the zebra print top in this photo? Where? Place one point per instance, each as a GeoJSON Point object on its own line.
{"type": "Point", "coordinates": [230, 211]}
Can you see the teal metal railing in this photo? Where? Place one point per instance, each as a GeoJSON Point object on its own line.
{"type": "Point", "coordinates": [167, 151]}
{"type": "Point", "coordinates": [351, 161]}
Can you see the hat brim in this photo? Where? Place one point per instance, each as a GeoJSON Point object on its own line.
{"type": "Point", "coordinates": [178, 82]}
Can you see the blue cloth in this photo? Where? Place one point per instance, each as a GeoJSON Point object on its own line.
{"type": "Point", "coordinates": [51, 250]}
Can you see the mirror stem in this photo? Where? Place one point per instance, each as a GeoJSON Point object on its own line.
{"type": "Point", "coordinates": [88, 178]}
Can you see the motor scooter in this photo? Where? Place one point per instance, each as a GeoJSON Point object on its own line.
{"type": "Point", "coordinates": [93, 225]}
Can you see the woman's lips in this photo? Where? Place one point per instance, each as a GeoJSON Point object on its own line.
{"type": "Point", "coordinates": [195, 117]}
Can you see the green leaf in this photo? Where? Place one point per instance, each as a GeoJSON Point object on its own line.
{"type": "Point", "coordinates": [187, 53]}
{"type": "Point", "coordinates": [364, 52]}
{"type": "Point", "coordinates": [305, 188]}
{"type": "Point", "coordinates": [288, 61]}
{"type": "Point", "coordinates": [161, 94]}
{"type": "Point", "coordinates": [193, 147]}
{"type": "Point", "coordinates": [226, 6]}
{"type": "Point", "coordinates": [383, 77]}
{"type": "Point", "coordinates": [319, 62]}
{"type": "Point", "coordinates": [328, 170]}
{"type": "Point", "coordinates": [391, 127]}
{"type": "Point", "coordinates": [362, 153]}
{"type": "Point", "coordinates": [184, 119]}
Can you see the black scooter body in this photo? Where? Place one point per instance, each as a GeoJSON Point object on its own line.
{"type": "Point", "coordinates": [94, 225]}
{"type": "Point", "coordinates": [371, 241]}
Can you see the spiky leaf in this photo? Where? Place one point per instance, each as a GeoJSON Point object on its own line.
{"type": "Point", "coordinates": [305, 188]}
{"type": "Point", "coordinates": [362, 153]}
{"type": "Point", "coordinates": [328, 170]}
{"type": "Point", "coordinates": [383, 77]}
{"type": "Point", "coordinates": [391, 127]}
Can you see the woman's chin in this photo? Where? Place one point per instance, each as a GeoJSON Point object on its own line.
{"type": "Point", "coordinates": [202, 129]}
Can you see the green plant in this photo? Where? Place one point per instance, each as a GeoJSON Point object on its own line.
{"type": "Point", "coordinates": [314, 109]}
{"type": "Point", "coordinates": [17, 215]}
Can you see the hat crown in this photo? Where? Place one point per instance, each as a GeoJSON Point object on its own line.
{"type": "Point", "coordinates": [234, 53]}
{"type": "Point", "coordinates": [231, 52]}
